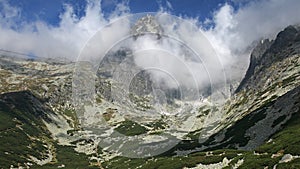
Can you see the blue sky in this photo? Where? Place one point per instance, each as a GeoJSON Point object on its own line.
{"type": "Point", "coordinates": [49, 10]}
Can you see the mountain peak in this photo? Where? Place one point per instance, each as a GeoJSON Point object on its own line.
{"type": "Point", "coordinates": [146, 25]}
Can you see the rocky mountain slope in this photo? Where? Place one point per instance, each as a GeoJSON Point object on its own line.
{"type": "Point", "coordinates": [268, 95]}
{"type": "Point", "coordinates": [40, 128]}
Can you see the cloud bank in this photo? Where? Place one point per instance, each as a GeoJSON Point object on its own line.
{"type": "Point", "coordinates": [43, 40]}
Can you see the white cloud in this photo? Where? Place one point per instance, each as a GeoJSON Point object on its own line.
{"type": "Point", "coordinates": [235, 32]}
{"type": "Point", "coordinates": [43, 40]}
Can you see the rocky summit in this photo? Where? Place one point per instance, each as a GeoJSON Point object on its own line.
{"type": "Point", "coordinates": [147, 25]}
{"type": "Point", "coordinates": [257, 127]}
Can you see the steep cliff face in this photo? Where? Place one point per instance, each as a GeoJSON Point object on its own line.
{"type": "Point", "coordinates": [255, 57]}
{"type": "Point", "coordinates": [266, 53]}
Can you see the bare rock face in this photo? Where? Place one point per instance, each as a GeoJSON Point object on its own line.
{"type": "Point", "coordinates": [146, 25]}
{"type": "Point", "coordinates": [256, 56]}
{"type": "Point", "coordinates": [266, 53]}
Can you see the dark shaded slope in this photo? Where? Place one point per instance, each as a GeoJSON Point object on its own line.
{"type": "Point", "coordinates": [26, 102]}
{"type": "Point", "coordinates": [255, 128]}
{"type": "Point", "coordinates": [22, 132]}
{"type": "Point", "coordinates": [24, 136]}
